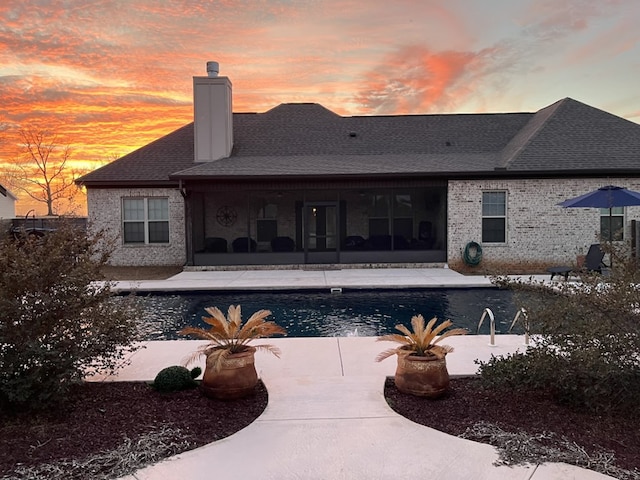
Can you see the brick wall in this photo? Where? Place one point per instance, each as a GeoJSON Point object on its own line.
{"type": "Point", "coordinates": [105, 212]}
{"type": "Point", "coordinates": [537, 229]}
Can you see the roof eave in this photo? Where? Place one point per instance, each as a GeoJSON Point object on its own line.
{"type": "Point", "coordinates": [174, 180]}
{"type": "Point", "coordinates": [129, 183]}
{"type": "Point", "coordinates": [235, 178]}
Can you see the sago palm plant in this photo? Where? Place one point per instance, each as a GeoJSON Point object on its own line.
{"type": "Point", "coordinates": [227, 335]}
{"type": "Point", "coordinates": [422, 340]}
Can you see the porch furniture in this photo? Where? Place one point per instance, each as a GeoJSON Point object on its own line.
{"type": "Point", "coordinates": [353, 242]}
{"type": "Point", "coordinates": [383, 242]}
{"type": "Point", "coordinates": [215, 245]}
{"type": "Point", "coordinates": [379, 242]}
{"type": "Point", "coordinates": [283, 244]}
{"type": "Point", "coordinates": [244, 244]}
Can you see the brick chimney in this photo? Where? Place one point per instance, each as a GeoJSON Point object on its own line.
{"type": "Point", "coordinates": [212, 116]}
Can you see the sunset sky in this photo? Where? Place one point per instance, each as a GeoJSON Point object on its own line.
{"type": "Point", "coordinates": [110, 76]}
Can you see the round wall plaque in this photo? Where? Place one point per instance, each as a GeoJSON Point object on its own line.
{"type": "Point", "coordinates": [226, 216]}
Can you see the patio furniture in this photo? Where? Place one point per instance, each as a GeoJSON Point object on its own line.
{"type": "Point", "coordinates": [283, 244]}
{"type": "Point", "coordinates": [215, 245]}
{"type": "Point", "coordinates": [244, 244]}
{"type": "Point", "coordinates": [592, 263]}
{"type": "Point", "coordinates": [562, 270]}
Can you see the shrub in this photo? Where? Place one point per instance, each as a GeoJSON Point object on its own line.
{"type": "Point", "coordinates": [175, 378]}
{"type": "Point", "coordinates": [56, 322]}
{"type": "Point", "coordinates": [586, 348]}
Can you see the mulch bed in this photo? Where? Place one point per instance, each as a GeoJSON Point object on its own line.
{"type": "Point", "coordinates": [468, 402]}
{"type": "Point", "coordinates": [101, 415]}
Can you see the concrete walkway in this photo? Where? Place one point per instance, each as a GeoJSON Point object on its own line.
{"type": "Point", "coordinates": [327, 417]}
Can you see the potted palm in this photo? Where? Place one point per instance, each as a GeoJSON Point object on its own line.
{"type": "Point", "coordinates": [230, 362]}
{"type": "Point", "coordinates": [422, 366]}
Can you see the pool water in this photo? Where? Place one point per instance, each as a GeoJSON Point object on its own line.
{"type": "Point", "coordinates": [351, 313]}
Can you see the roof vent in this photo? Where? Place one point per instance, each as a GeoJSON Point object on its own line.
{"type": "Point", "coordinates": [212, 69]}
{"type": "Point", "coordinates": [353, 134]}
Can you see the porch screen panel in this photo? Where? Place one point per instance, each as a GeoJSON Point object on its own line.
{"type": "Point", "coordinates": [378, 214]}
{"type": "Point", "coordinates": [267, 223]}
{"type": "Point", "coordinates": [402, 221]}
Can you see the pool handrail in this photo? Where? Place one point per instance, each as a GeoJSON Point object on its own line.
{"type": "Point", "coordinates": [525, 324]}
{"type": "Point", "coordinates": [492, 325]}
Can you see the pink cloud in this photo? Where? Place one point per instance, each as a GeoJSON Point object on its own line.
{"type": "Point", "coordinates": [415, 79]}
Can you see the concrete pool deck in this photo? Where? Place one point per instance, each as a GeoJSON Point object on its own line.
{"type": "Point", "coordinates": [327, 417]}
{"type": "Point", "coordinates": [299, 279]}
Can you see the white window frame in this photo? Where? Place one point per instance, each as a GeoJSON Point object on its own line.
{"type": "Point", "coordinates": [616, 212]}
{"type": "Point", "coordinates": [488, 216]}
{"type": "Point", "coordinates": [146, 220]}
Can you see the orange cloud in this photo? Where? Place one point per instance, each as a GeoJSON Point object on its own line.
{"type": "Point", "coordinates": [415, 79]}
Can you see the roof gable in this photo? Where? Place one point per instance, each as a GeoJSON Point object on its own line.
{"type": "Point", "coordinates": [570, 135]}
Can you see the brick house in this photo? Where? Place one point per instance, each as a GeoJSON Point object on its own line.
{"type": "Point", "coordinates": [299, 184]}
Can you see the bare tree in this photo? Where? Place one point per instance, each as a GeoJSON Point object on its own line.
{"type": "Point", "coordinates": [42, 171]}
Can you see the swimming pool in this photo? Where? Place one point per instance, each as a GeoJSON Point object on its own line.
{"type": "Point", "coordinates": [323, 314]}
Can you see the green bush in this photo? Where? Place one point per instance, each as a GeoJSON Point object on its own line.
{"type": "Point", "coordinates": [56, 322]}
{"type": "Point", "coordinates": [175, 378]}
{"type": "Point", "coordinates": [586, 348]}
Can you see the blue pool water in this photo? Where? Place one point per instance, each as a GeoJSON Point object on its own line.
{"type": "Point", "coordinates": [351, 313]}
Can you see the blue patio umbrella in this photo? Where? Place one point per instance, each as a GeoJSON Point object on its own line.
{"type": "Point", "coordinates": [605, 197]}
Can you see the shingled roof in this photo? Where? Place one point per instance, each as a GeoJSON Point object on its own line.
{"type": "Point", "coordinates": [572, 137]}
{"type": "Point", "coordinates": [308, 140]}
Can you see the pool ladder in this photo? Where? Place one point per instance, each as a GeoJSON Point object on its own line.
{"type": "Point", "coordinates": [492, 324]}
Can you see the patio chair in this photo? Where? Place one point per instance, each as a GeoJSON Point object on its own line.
{"type": "Point", "coordinates": [215, 245]}
{"type": "Point", "coordinates": [244, 244]}
{"type": "Point", "coordinates": [593, 261]}
{"type": "Point", "coordinates": [283, 244]}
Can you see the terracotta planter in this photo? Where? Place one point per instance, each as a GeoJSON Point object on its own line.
{"type": "Point", "coordinates": [236, 379]}
{"type": "Point", "coordinates": [422, 376]}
